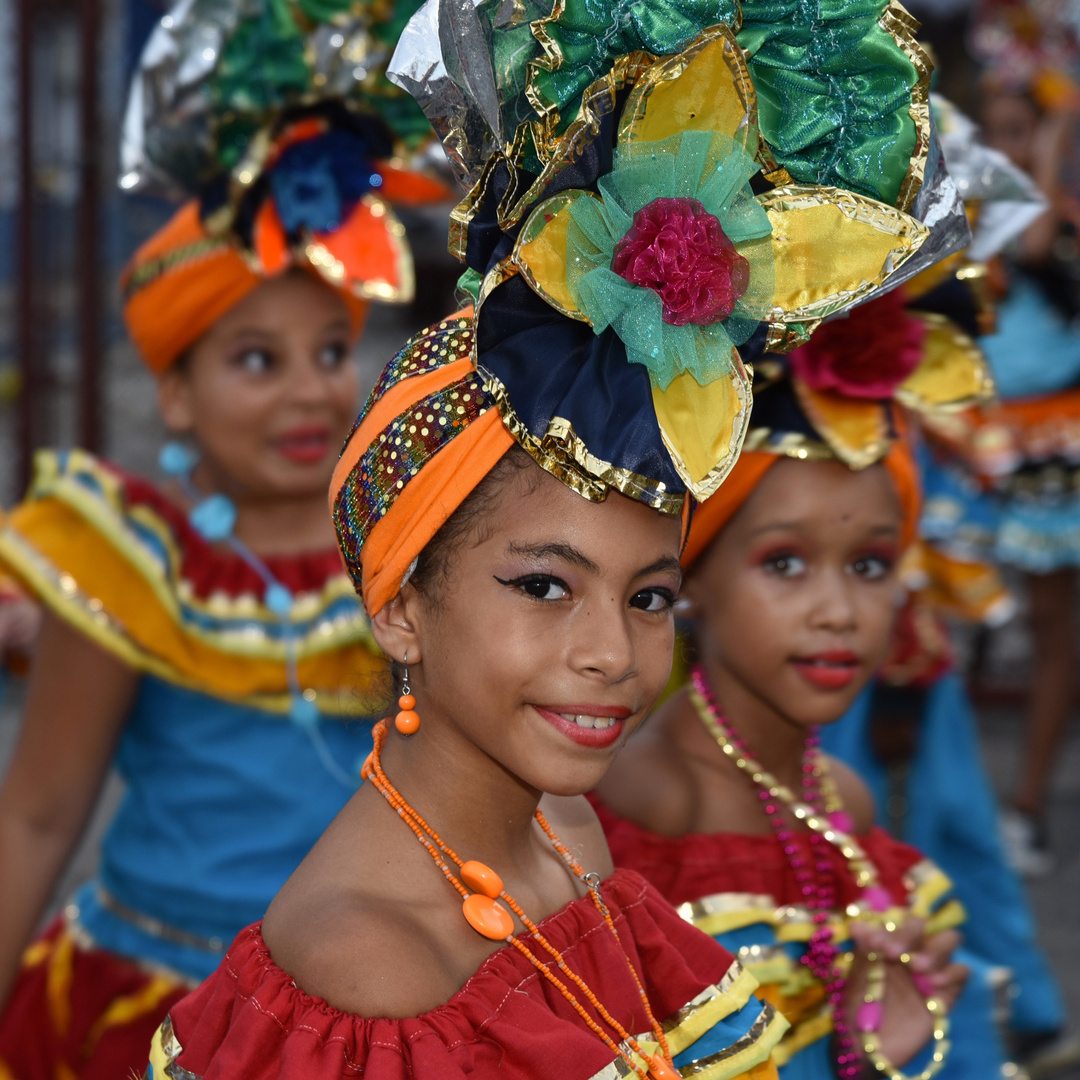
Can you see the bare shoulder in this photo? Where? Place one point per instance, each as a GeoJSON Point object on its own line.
{"type": "Point", "coordinates": [854, 794]}
{"type": "Point", "coordinates": [362, 954]}
{"type": "Point", "coordinates": [651, 783]}
{"type": "Point", "coordinates": [364, 923]}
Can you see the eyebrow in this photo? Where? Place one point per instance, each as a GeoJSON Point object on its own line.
{"type": "Point", "coordinates": [554, 550]}
{"type": "Point", "coordinates": [570, 554]}
{"type": "Point", "coordinates": [666, 563]}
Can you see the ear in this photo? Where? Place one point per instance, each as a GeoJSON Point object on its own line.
{"type": "Point", "coordinates": [174, 400]}
{"type": "Point", "coordinates": [396, 626]}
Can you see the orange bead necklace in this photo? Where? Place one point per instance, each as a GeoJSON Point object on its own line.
{"type": "Point", "coordinates": [489, 918]}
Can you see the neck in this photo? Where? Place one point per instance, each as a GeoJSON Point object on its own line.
{"type": "Point", "coordinates": [277, 524]}
{"type": "Point", "coordinates": [775, 740]}
{"type": "Point", "coordinates": [479, 808]}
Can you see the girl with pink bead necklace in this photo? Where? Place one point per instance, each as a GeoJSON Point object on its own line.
{"type": "Point", "coordinates": [726, 802]}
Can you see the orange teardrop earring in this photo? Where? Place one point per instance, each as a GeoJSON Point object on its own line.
{"type": "Point", "coordinates": [407, 721]}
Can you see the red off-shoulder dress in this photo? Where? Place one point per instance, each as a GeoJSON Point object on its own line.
{"type": "Point", "coordinates": [250, 1021]}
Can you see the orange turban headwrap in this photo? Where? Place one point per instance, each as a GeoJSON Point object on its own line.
{"type": "Point", "coordinates": [713, 514]}
{"type": "Point", "coordinates": [182, 280]}
{"type": "Point", "coordinates": [427, 436]}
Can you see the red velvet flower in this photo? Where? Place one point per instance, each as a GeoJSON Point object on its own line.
{"type": "Point", "coordinates": [866, 355]}
{"type": "Point", "coordinates": [678, 249]}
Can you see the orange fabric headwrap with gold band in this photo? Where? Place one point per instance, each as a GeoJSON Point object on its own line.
{"type": "Point", "coordinates": [426, 438]}
{"type": "Point", "coordinates": [182, 280]}
{"type": "Point", "coordinates": [713, 514]}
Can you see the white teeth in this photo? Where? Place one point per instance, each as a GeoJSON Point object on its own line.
{"type": "Point", "coordinates": [584, 721]}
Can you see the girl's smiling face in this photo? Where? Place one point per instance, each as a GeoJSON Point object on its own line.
{"type": "Point", "coordinates": [269, 391]}
{"type": "Point", "coordinates": [547, 635]}
{"type": "Point", "coordinates": [794, 600]}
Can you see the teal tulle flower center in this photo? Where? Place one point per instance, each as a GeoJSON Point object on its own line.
{"type": "Point", "coordinates": [675, 255]}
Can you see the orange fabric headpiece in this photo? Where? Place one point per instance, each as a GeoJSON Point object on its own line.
{"type": "Point", "coordinates": [182, 280]}
{"type": "Point", "coordinates": [427, 436]}
{"type": "Point", "coordinates": [713, 514]}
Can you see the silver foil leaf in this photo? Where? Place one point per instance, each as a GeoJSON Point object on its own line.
{"type": "Point", "coordinates": [1009, 200]}
{"type": "Point", "coordinates": [167, 143]}
{"type": "Point", "coordinates": [442, 59]}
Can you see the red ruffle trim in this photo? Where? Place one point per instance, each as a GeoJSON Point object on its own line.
{"type": "Point", "coordinates": [49, 1029]}
{"type": "Point", "coordinates": [209, 569]}
{"type": "Point", "coordinates": [250, 1019]}
{"type": "Point", "coordinates": [687, 868]}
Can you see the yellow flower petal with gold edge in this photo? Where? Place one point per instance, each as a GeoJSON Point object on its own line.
{"type": "Point", "coordinates": [540, 251]}
{"type": "Point", "coordinates": [856, 430]}
{"type": "Point", "coordinates": [953, 372]}
{"type": "Point", "coordinates": [706, 87]}
{"type": "Point", "coordinates": [703, 426]}
{"type": "Point", "coordinates": [831, 248]}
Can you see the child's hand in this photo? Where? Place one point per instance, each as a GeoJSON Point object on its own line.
{"type": "Point", "coordinates": [907, 1024]}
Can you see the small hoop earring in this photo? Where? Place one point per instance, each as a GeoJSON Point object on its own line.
{"type": "Point", "coordinates": [407, 721]}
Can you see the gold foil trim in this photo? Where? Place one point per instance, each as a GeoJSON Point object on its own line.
{"type": "Point", "coordinates": [551, 288]}
{"type": "Point", "coordinates": [333, 270]}
{"type": "Point", "coordinates": [745, 1053]}
{"type": "Point", "coordinates": [558, 152]}
{"type": "Point", "coordinates": [716, 396]}
{"type": "Point", "coordinates": [953, 374]}
{"type": "Point", "coordinates": [671, 69]}
{"type": "Point", "coordinates": [466, 210]}
{"type": "Point", "coordinates": [901, 26]}
{"type": "Point", "coordinates": [856, 430]}
{"type": "Point", "coordinates": [848, 275]}
{"type": "Point", "coordinates": [165, 1048]}
{"type": "Point", "coordinates": [563, 454]}
{"type": "Point", "coordinates": [787, 444]}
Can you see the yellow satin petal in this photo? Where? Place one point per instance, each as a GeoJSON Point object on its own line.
{"type": "Point", "coordinates": [856, 430]}
{"type": "Point", "coordinates": [953, 373]}
{"type": "Point", "coordinates": [707, 87]}
{"type": "Point", "coordinates": [832, 248]}
{"type": "Point", "coordinates": [703, 426]}
{"type": "Point", "coordinates": [540, 252]}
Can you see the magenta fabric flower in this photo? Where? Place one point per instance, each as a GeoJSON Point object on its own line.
{"type": "Point", "coordinates": [679, 250]}
{"type": "Point", "coordinates": [866, 355]}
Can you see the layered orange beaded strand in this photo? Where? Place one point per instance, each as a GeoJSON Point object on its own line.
{"type": "Point", "coordinates": [494, 922]}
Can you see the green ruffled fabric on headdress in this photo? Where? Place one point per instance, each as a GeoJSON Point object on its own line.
{"type": "Point", "coordinates": [834, 80]}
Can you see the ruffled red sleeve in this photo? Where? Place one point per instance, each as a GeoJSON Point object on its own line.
{"type": "Point", "coordinates": [251, 1021]}
{"type": "Point", "coordinates": [686, 868]}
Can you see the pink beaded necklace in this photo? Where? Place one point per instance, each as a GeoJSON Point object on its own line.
{"type": "Point", "coordinates": [821, 811]}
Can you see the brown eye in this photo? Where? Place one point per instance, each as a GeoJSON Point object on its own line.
{"type": "Point", "coordinates": [653, 600]}
{"type": "Point", "coordinates": [872, 567]}
{"type": "Point", "coordinates": [333, 355]}
{"type": "Point", "coordinates": [785, 564]}
{"type": "Point", "coordinates": [538, 586]}
{"type": "Point", "coordinates": [257, 361]}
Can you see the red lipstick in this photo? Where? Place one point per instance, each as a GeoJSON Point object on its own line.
{"type": "Point", "coordinates": [306, 444]}
{"type": "Point", "coordinates": [580, 730]}
{"type": "Point", "coordinates": [833, 669]}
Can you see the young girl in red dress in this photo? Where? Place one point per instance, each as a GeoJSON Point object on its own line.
{"type": "Point", "coordinates": [792, 589]}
